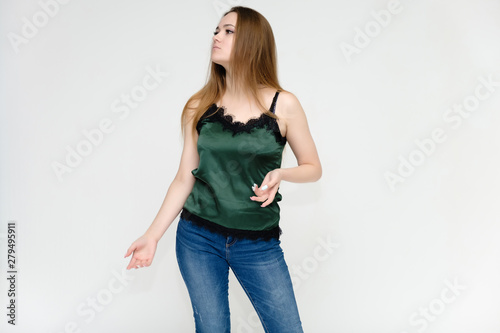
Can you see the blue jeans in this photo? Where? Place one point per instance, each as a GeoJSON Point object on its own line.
{"type": "Point", "coordinates": [204, 259]}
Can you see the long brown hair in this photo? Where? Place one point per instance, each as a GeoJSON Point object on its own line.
{"type": "Point", "coordinates": [253, 63]}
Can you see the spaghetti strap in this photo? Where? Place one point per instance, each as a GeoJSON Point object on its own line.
{"type": "Point", "coordinates": [273, 105]}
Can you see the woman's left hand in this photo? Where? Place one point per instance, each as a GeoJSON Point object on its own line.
{"type": "Point", "coordinates": [267, 190]}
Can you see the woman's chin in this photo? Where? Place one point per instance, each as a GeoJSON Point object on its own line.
{"type": "Point", "coordinates": [218, 62]}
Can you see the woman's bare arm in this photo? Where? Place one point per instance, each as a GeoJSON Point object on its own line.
{"type": "Point", "coordinates": [144, 247]}
{"type": "Point", "coordinates": [299, 138]}
{"type": "Point", "coordinates": [179, 189]}
{"type": "Point", "coordinates": [308, 168]}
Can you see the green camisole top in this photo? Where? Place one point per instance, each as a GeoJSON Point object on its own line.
{"type": "Point", "coordinates": [234, 156]}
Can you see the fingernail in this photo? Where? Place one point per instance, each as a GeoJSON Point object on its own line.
{"type": "Point", "coordinates": [263, 188]}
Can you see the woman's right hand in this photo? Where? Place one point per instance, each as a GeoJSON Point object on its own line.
{"type": "Point", "coordinates": [144, 249]}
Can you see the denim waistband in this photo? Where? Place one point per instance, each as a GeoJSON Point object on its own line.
{"type": "Point", "coordinates": [235, 233]}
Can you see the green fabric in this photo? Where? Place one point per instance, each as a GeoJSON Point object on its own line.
{"type": "Point", "coordinates": [231, 161]}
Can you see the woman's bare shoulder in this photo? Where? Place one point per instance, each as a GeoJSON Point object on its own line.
{"type": "Point", "coordinates": [288, 105]}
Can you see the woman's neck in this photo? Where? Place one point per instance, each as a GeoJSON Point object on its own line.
{"type": "Point", "coordinates": [235, 93]}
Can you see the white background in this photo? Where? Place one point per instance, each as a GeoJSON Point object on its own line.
{"type": "Point", "coordinates": [398, 250]}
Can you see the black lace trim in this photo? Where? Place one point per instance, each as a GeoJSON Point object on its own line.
{"type": "Point", "coordinates": [237, 127]}
{"type": "Point", "coordinates": [236, 233]}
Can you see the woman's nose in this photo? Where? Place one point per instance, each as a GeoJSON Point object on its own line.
{"type": "Point", "coordinates": [216, 37]}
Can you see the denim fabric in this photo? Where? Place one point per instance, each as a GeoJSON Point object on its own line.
{"type": "Point", "coordinates": [204, 259]}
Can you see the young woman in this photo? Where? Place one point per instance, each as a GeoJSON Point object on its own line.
{"type": "Point", "coordinates": [226, 187]}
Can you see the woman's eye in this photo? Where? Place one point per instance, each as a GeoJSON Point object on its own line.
{"type": "Point", "coordinates": [227, 31]}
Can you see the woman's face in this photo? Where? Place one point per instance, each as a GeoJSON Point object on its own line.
{"type": "Point", "coordinates": [223, 40]}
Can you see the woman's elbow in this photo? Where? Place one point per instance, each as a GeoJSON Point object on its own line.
{"type": "Point", "coordinates": [314, 173]}
{"type": "Point", "coordinates": [318, 172]}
